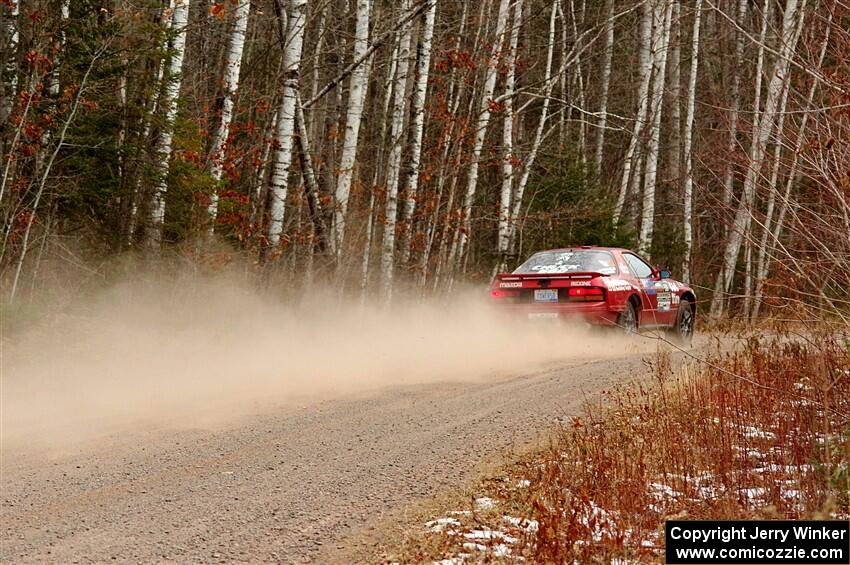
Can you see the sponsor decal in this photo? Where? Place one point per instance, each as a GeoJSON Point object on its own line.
{"type": "Point", "coordinates": [673, 287]}
{"type": "Point", "coordinates": [676, 299]}
{"type": "Point", "coordinates": [617, 285]}
{"type": "Point", "coordinates": [580, 283]}
{"type": "Point", "coordinates": [650, 287]}
{"type": "Point", "coordinates": [510, 285]}
{"type": "Point", "coordinates": [664, 301]}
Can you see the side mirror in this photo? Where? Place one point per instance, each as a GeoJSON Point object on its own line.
{"type": "Point", "coordinates": [664, 274]}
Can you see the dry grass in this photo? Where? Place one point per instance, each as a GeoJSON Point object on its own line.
{"type": "Point", "coordinates": [761, 432]}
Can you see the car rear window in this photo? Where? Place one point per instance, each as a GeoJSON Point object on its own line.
{"type": "Point", "coordinates": [549, 262]}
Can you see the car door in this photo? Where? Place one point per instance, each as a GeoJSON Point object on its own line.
{"type": "Point", "coordinates": [645, 275]}
{"type": "Point", "coordinates": [668, 296]}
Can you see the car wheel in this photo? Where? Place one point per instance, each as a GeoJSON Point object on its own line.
{"type": "Point", "coordinates": [683, 331]}
{"type": "Point", "coordinates": [627, 321]}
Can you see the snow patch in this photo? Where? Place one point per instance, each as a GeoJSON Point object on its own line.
{"type": "Point", "coordinates": [522, 523]}
{"type": "Point", "coordinates": [484, 503]}
{"type": "Point", "coordinates": [440, 524]}
{"type": "Point", "coordinates": [489, 535]}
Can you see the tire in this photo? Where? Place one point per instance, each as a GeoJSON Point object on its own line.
{"type": "Point", "coordinates": [627, 321]}
{"type": "Point", "coordinates": [683, 332]}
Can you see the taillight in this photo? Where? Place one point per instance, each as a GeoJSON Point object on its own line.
{"type": "Point", "coordinates": [502, 293]}
{"type": "Point", "coordinates": [585, 294]}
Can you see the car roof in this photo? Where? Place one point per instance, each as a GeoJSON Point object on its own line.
{"type": "Point", "coordinates": [586, 248]}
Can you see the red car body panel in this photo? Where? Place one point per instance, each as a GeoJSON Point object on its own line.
{"type": "Point", "coordinates": [656, 299]}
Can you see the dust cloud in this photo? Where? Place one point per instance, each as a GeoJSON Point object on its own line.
{"type": "Point", "coordinates": [184, 354]}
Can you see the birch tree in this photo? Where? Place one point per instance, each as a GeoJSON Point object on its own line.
{"type": "Point", "coordinates": [358, 85]}
{"type": "Point", "coordinates": [674, 92]}
{"type": "Point", "coordinates": [453, 103]}
{"type": "Point", "coordinates": [295, 23]}
{"type": "Point", "coordinates": [509, 116]}
{"type": "Point", "coordinates": [394, 160]}
{"type": "Point", "coordinates": [516, 200]}
{"type": "Point", "coordinates": [761, 134]}
{"type": "Point", "coordinates": [10, 67]}
{"type": "Point", "coordinates": [688, 227]}
{"type": "Point", "coordinates": [481, 127]}
{"type": "Point", "coordinates": [729, 173]}
{"type": "Point", "coordinates": [365, 260]}
{"type": "Point", "coordinates": [150, 107]}
{"type": "Point", "coordinates": [179, 21]}
{"type": "Point", "coordinates": [608, 56]}
{"type": "Point", "coordinates": [663, 11]}
{"type": "Point", "coordinates": [311, 183]}
{"type": "Point", "coordinates": [64, 14]}
{"type": "Point", "coordinates": [771, 233]}
{"type": "Point", "coordinates": [230, 82]}
{"type": "Point", "coordinates": [420, 90]}
{"type": "Point", "coordinates": [645, 73]}
{"type": "Point", "coordinates": [577, 66]}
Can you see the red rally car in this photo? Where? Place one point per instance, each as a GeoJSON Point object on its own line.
{"type": "Point", "coordinates": [604, 286]}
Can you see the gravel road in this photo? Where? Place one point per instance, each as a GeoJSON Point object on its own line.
{"type": "Point", "coordinates": [282, 487]}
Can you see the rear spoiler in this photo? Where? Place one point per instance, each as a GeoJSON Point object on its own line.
{"type": "Point", "coordinates": [535, 276]}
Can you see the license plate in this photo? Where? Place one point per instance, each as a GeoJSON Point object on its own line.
{"type": "Point", "coordinates": [542, 315]}
{"type": "Point", "coordinates": [546, 295]}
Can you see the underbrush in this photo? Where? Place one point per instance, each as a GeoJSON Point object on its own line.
{"type": "Point", "coordinates": [762, 432]}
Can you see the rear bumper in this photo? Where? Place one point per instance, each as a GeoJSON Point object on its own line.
{"type": "Point", "coordinates": [595, 313]}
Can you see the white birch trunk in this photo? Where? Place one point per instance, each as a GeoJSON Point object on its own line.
{"type": "Point", "coordinates": [562, 76]}
{"type": "Point", "coordinates": [645, 71]}
{"type": "Point", "coordinates": [762, 133]}
{"type": "Point", "coordinates": [53, 80]}
{"type": "Point", "coordinates": [367, 248]}
{"type": "Point", "coordinates": [179, 20]}
{"type": "Point", "coordinates": [311, 183]}
{"type": "Point", "coordinates": [516, 201]}
{"type": "Point", "coordinates": [366, 260]}
{"type": "Point", "coordinates": [749, 199]}
{"type": "Point", "coordinates": [10, 93]}
{"type": "Point", "coordinates": [151, 107]}
{"type": "Point", "coordinates": [762, 43]}
{"type": "Point", "coordinates": [454, 97]}
{"type": "Point", "coordinates": [663, 12]}
{"type": "Point", "coordinates": [394, 160]}
{"type": "Point", "coordinates": [295, 23]}
{"type": "Point", "coordinates": [259, 179]}
{"type": "Point", "coordinates": [423, 65]}
{"type": "Point", "coordinates": [321, 33]}
{"type": "Point", "coordinates": [230, 80]}
{"type": "Point", "coordinates": [688, 227]}
{"type": "Point", "coordinates": [748, 269]}
{"type": "Point", "coordinates": [359, 83]}
{"type": "Point", "coordinates": [579, 78]}
{"type": "Point", "coordinates": [674, 63]}
{"type": "Point", "coordinates": [509, 116]}
{"type": "Point", "coordinates": [608, 56]}
{"type": "Point", "coordinates": [729, 174]}
{"type": "Point", "coordinates": [771, 233]}
{"type": "Point", "coordinates": [771, 203]}
{"type": "Point", "coordinates": [793, 174]}
{"type": "Point", "coordinates": [481, 128]}
{"type": "Point", "coordinates": [64, 14]}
